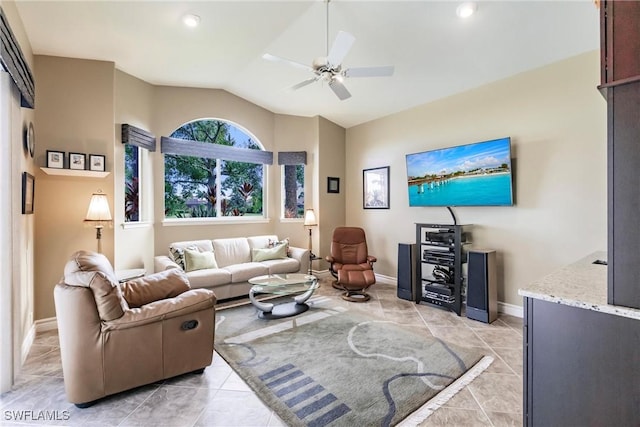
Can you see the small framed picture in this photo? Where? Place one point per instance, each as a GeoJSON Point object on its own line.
{"type": "Point", "coordinates": [28, 190]}
{"type": "Point", "coordinates": [77, 161]}
{"type": "Point", "coordinates": [333, 184]}
{"type": "Point", "coordinates": [96, 162]}
{"type": "Point", "coordinates": [375, 188]}
{"type": "Point", "coordinates": [55, 159]}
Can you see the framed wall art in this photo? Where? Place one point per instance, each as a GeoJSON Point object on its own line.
{"type": "Point", "coordinates": [96, 162]}
{"type": "Point", "coordinates": [55, 159]}
{"type": "Point", "coordinates": [77, 161]}
{"type": "Point", "coordinates": [28, 190]}
{"type": "Point", "coordinates": [333, 184]}
{"type": "Point", "coordinates": [375, 188]}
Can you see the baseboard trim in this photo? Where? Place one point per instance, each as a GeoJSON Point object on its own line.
{"type": "Point", "coordinates": [510, 309]}
{"type": "Point", "coordinates": [386, 279]}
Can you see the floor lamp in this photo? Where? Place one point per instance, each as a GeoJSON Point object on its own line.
{"type": "Point", "coordinates": [98, 214]}
{"type": "Point", "coordinates": [310, 221]}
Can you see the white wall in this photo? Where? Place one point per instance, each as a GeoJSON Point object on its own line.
{"type": "Point", "coordinates": [18, 230]}
{"type": "Point", "coordinates": [557, 121]}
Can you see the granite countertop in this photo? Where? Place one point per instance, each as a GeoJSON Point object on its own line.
{"type": "Point", "coordinates": [582, 284]}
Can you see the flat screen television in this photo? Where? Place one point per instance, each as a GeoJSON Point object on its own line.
{"type": "Point", "coordinates": [476, 174]}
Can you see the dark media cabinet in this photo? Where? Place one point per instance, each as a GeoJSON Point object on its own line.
{"type": "Point", "coordinates": [441, 255]}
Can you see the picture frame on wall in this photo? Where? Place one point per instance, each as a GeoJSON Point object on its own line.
{"type": "Point", "coordinates": [97, 162]}
{"type": "Point", "coordinates": [333, 184]}
{"type": "Point", "coordinates": [77, 161]}
{"type": "Point", "coordinates": [28, 191]}
{"type": "Point", "coordinates": [375, 188]}
{"type": "Point", "coordinates": [55, 159]}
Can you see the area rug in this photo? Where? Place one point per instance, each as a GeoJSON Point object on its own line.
{"type": "Point", "coordinates": [332, 366]}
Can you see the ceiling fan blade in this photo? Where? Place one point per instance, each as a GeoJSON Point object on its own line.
{"type": "Point", "coordinates": [304, 83]}
{"type": "Point", "coordinates": [274, 58]}
{"type": "Point", "coordinates": [338, 88]}
{"type": "Point", "coordinates": [369, 71]}
{"type": "Point", "coordinates": [341, 46]}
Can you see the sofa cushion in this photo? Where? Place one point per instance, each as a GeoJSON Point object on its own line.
{"type": "Point", "coordinates": [231, 251]}
{"type": "Point", "coordinates": [162, 285]}
{"type": "Point", "coordinates": [93, 270]}
{"type": "Point", "coordinates": [276, 252]}
{"type": "Point", "coordinates": [245, 271]}
{"type": "Point", "coordinates": [196, 260]}
{"type": "Point", "coordinates": [209, 278]}
{"type": "Point", "coordinates": [278, 266]}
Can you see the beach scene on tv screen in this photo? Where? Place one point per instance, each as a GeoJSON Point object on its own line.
{"type": "Point", "coordinates": [466, 175]}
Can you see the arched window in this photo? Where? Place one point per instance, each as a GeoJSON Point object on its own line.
{"type": "Point", "coordinates": [202, 181]}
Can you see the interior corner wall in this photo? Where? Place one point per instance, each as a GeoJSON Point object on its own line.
{"type": "Point", "coordinates": [332, 163]}
{"type": "Point", "coordinates": [295, 133]}
{"type": "Point", "coordinates": [134, 241]}
{"type": "Point", "coordinates": [74, 113]}
{"type": "Point", "coordinates": [556, 119]}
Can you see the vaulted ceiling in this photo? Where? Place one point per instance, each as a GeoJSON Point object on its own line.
{"type": "Point", "coordinates": [435, 53]}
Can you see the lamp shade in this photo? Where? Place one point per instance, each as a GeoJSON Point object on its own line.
{"type": "Point", "coordinates": [310, 218]}
{"type": "Point", "coordinates": [98, 208]}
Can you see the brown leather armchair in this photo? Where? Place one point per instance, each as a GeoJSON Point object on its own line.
{"type": "Point", "coordinates": [115, 337]}
{"type": "Point", "coordinates": [351, 264]}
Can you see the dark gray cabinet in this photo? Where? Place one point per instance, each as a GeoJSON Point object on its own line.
{"type": "Point", "coordinates": [620, 62]}
{"type": "Point", "coordinates": [581, 367]}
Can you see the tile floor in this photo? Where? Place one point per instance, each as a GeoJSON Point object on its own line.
{"type": "Point", "coordinates": [220, 398]}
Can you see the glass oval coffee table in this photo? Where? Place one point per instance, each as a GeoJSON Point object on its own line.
{"type": "Point", "coordinates": [300, 285]}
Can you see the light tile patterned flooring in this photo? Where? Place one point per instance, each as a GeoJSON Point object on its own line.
{"type": "Point", "coordinates": [220, 398]}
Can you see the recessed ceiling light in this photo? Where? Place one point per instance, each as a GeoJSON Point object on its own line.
{"type": "Point", "coordinates": [467, 9]}
{"type": "Point", "coordinates": [191, 20]}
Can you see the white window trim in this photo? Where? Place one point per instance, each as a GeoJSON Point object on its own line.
{"type": "Point", "coordinates": [136, 224]}
{"type": "Point", "coordinates": [178, 222]}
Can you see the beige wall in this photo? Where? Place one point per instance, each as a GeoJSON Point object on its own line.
{"type": "Point", "coordinates": [331, 163]}
{"type": "Point", "coordinates": [134, 242]}
{"type": "Point", "coordinates": [74, 113]}
{"type": "Point", "coordinates": [294, 133]}
{"type": "Point", "coordinates": [557, 121]}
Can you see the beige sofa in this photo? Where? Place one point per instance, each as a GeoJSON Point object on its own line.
{"type": "Point", "coordinates": [117, 336]}
{"type": "Point", "coordinates": [229, 263]}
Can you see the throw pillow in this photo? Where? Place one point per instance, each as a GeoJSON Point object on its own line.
{"type": "Point", "coordinates": [274, 243]}
{"type": "Point", "coordinates": [195, 260]}
{"type": "Point", "coordinates": [277, 252]}
{"type": "Point", "coordinates": [178, 255]}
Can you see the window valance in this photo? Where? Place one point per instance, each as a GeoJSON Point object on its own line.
{"type": "Point", "coordinates": [139, 137]}
{"type": "Point", "coordinates": [185, 147]}
{"type": "Point", "coordinates": [292, 157]}
{"type": "Point", "coordinates": [13, 61]}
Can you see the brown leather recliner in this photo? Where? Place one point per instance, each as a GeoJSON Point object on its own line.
{"type": "Point", "coordinates": [351, 264]}
{"type": "Point", "coordinates": [115, 337]}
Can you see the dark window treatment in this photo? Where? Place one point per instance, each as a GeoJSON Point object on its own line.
{"type": "Point", "coordinates": [292, 157]}
{"type": "Point", "coordinates": [184, 147]}
{"type": "Point", "coordinates": [139, 137]}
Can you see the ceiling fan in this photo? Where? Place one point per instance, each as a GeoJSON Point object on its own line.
{"type": "Point", "coordinates": [329, 68]}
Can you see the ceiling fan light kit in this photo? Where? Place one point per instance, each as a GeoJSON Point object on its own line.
{"type": "Point", "coordinates": [329, 68]}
